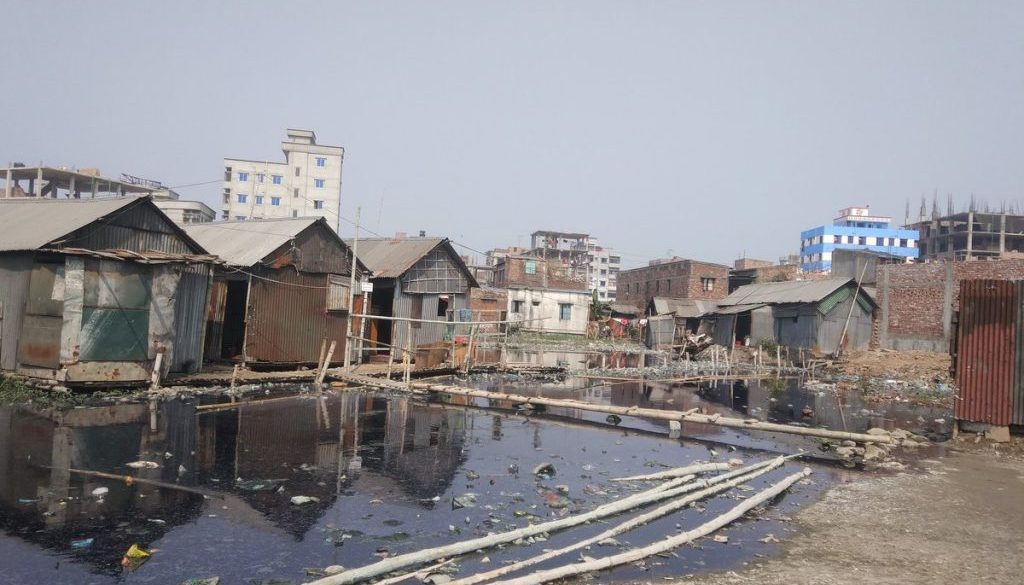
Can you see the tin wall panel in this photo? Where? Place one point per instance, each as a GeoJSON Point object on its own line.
{"type": "Point", "coordinates": [15, 270]}
{"type": "Point", "coordinates": [189, 318]}
{"type": "Point", "coordinates": [287, 319]}
{"type": "Point", "coordinates": [986, 350]}
{"type": "Point", "coordinates": [1018, 366]}
{"type": "Point", "coordinates": [139, 228]}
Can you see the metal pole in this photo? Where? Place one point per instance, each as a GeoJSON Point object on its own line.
{"type": "Point", "coordinates": [351, 295]}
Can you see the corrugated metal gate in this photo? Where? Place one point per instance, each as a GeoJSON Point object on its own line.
{"type": "Point", "coordinates": [989, 360]}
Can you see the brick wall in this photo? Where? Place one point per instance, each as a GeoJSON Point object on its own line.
{"type": "Point", "coordinates": [680, 279]}
{"type": "Point", "coordinates": [916, 306]}
{"type": "Point", "coordinates": [512, 272]}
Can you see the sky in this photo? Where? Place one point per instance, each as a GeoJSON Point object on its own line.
{"type": "Point", "coordinates": [708, 130]}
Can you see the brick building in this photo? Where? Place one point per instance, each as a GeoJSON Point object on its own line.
{"type": "Point", "coordinates": [673, 278]}
{"type": "Point", "coordinates": [546, 295]}
{"type": "Point", "coordinates": [526, 271]}
{"type": "Point", "coordinates": [917, 301]}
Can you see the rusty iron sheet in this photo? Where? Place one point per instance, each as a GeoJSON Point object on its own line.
{"type": "Point", "coordinates": [986, 346]}
{"type": "Point", "coordinates": [288, 318]}
{"type": "Point", "coordinates": [1018, 364]}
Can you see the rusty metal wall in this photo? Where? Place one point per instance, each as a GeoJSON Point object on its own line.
{"type": "Point", "coordinates": [986, 349]}
{"type": "Point", "coordinates": [288, 318]}
{"type": "Point", "coordinates": [189, 319]}
{"type": "Point", "coordinates": [1018, 359]}
{"type": "Point", "coordinates": [139, 228]}
{"type": "Point", "coordinates": [15, 270]}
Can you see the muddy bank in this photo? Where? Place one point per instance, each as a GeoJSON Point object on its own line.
{"type": "Point", "coordinates": [955, 520]}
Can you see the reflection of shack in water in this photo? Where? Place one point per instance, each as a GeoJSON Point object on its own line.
{"type": "Point", "coordinates": [52, 507]}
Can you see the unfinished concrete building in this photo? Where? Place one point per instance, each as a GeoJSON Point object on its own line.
{"type": "Point", "coordinates": [971, 235]}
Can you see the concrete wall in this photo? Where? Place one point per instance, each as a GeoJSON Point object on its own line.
{"type": "Point", "coordinates": [544, 304]}
{"type": "Point", "coordinates": [917, 301]}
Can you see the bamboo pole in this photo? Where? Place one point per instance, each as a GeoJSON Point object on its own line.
{"type": "Point", "coordinates": [639, 520]}
{"type": "Point", "coordinates": [677, 472]}
{"type": "Point", "coordinates": [327, 360]}
{"type": "Point", "coordinates": [131, 479]}
{"type": "Point", "coordinates": [398, 562]}
{"type": "Point", "coordinates": [229, 405]}
{"type": "Point", "coordinates": [710, 419]}
{"type": "Point", "coordinates": [663, 545]}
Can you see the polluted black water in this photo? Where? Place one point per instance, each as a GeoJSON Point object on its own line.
{"type": "Point", "coordinates": [275, 491]}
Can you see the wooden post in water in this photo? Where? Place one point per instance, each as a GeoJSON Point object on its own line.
{"type": "Point", "coordinates": [391, 360]}
{"type": "Point", "coordinates": [327, 361]}
{"type": "Point", "coordinates": [408, 353]}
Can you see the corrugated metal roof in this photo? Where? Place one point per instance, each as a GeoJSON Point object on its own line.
{"type": "Point", "coordinates": [389, 257]}
{"type": "Point", "coordinates": [735, 309]}
{"type": "Point", "coordinates": [30, 224]}
{"type": "Point", "coordinates": [244, 243]}
{"type": "Point", "coordinates": [776, 293]}
{"type": "Point", "coordinates": [684, 308]}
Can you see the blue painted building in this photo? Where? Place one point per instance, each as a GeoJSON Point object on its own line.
{"type": "Point", "coordinates": [854, 229]}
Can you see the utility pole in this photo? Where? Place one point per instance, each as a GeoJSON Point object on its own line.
{"type": "Point", "coordinates": [352, 295]}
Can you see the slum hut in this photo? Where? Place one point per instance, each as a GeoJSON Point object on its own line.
{"type": "Point", "coordinates": [92, 290]}
{"type": "Point", "coordinates": [284, 289]}
{"type": "Point", "coordinates": [807, 315]}
{"type": "Point", "coordinates": [670, 320]}
{"type": "Point", "coordinates": [413, 278]}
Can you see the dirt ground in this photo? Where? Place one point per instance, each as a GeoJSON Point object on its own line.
{"type": "Point", "coordinates": [956, 519]}
{"type": "Point", "coordinates": [900, 365]}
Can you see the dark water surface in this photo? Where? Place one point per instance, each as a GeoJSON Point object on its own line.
{"type": "Point", "coordinates": [383, 469]}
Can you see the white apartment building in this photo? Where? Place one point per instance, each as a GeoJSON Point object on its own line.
{"type": "Point", "coordinates": [602, 269]}
{"type": "Point", "coordinates": [306, 184]}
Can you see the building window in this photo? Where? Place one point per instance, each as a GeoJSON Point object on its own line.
{"type": "Point", "coordinates": [317, 204]}
{"type": "Point", "coordinates": [707, 284]}
{"type": "Point", "coordinates": [318, 183]}
{"type": "Point", "coordinates": [337, 293]}
{"type": "Point", "coordinates": [297, 171]}
{"type": "Point", "coordinates": [275, 201]}
{"type": "Point", "coordinates": [295, 192]}
{"type": "Point", "coordinates": [602, 283]}
{"type": "Point", "coordinates": [242, 197]}
{"type": "Point", "coordinates": [416, 310]}
{"type": "Point", "coordinates": [564, 311]}
{"type": "Point", "coordinates": [517, 306]}
{"type": "Point", "coordinates": [224, 215]}
{"type": "Point", "coordinates": [321, 162]}
{"type": "Point", "coordinates": [240, 217]}
{"type": "Point", "coordinates": [259, 200]}
{"type": "Point", "coordinates": [295, 213]}
{"type": "Point", "coordinates": [260, 177]}
{"type": "Point", "coordinates": [243, 177]}
{"type": "Point", "coordinates": [276, 179]}
{"type": "Point", "coordinates": [903, 242]}
{"type": "Point", "coordinates": [530, 267]}
{"type": "Point", "coordinates": [603, 271]}
{"type": "Point", "coordinates": [227, 173]}
{"type": "Point", "coordinates": [862, 241]}
{"type": "Point", "coordinates": [442, 306]}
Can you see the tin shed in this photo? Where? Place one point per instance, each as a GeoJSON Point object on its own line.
{"type": "Point", "coordinates": [92, 290]}
{"type": "Point", "coordinates": [283, 290]}
{"type": "Point", "coordinates": [810, 315]}
{"type": "Point", "coordinates": [414, 278]}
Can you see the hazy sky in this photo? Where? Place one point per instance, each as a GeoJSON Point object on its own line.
{"type": "Point", "coordinates": [707, 129]}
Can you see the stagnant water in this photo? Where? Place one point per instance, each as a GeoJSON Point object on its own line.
{"type": "Point", "coordinates": [388, 475]}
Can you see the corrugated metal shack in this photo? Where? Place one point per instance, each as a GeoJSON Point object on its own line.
{"type": "Point", "coordinates": [414, 278]}
{"type": "Point", "coordinates": [807, 315]}
{"type": "Point", "coordinates": [989, 352]}
{"type": "Point", "coordinates": [284, 289]}
{"type": "Point", "coordinates": [670, 320]}
{"type": "Point", "coordinates": [91, 290]}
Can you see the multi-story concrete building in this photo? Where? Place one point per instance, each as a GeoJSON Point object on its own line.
{"type": "Point", "coordinates": [855, 229]}
{"type": "Point", "coordinates": [182, 212]}
{"type": "Point", "coordinates": [306, 184]}
{"type": "Point", "coordinates": [971, 235]}
{"type": "Point", "coordinates": [583, 255]}
{"type": "Point", "coordinates": [676, 278]}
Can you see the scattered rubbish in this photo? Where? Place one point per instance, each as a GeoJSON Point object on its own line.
{"type": "Point", "coordinates": [376, 502]}
{"type": "Point", "coordinates": [181, 470]}
{"type": "Point", "coordinates": [100, 492]}
{"type": "Point", "coordinates": [300, 500]}
{"type": "Point", "coordinates": [545, 468]}
{"type": "Point", "coordinates": [472, 475]}
{"type": "Point", "coordinates": [555, 500]}
{"type": "Point", "coordinates": [613, 419]}
{"type": "Point", "coordinates": [134, 558]}
{"type": "Point", "coordinates": [259, 485]}
{"type": "Point", "coordinates": [393, 522]}
{"type": "Point", "coordinates": [143, 465]}
{"type": "Point", "coordinates": [437, 579]}
{"type": "Point", "coordinates": [720, 538]}
{"type": "Point", "coordinates": [202, 581]}
{"type": "Point", "coordinates": [156, 521]}
{"type": "Point", "coordinates": [82, 544]}
{"type": "Point", "coordinates": [464, 501]}
{"type": "Point", "coordinates": [769, 539]}
{"type": "Point", "coordinates": [28, 500]}
{"type": "Point", "coordinates": [274, 581]}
